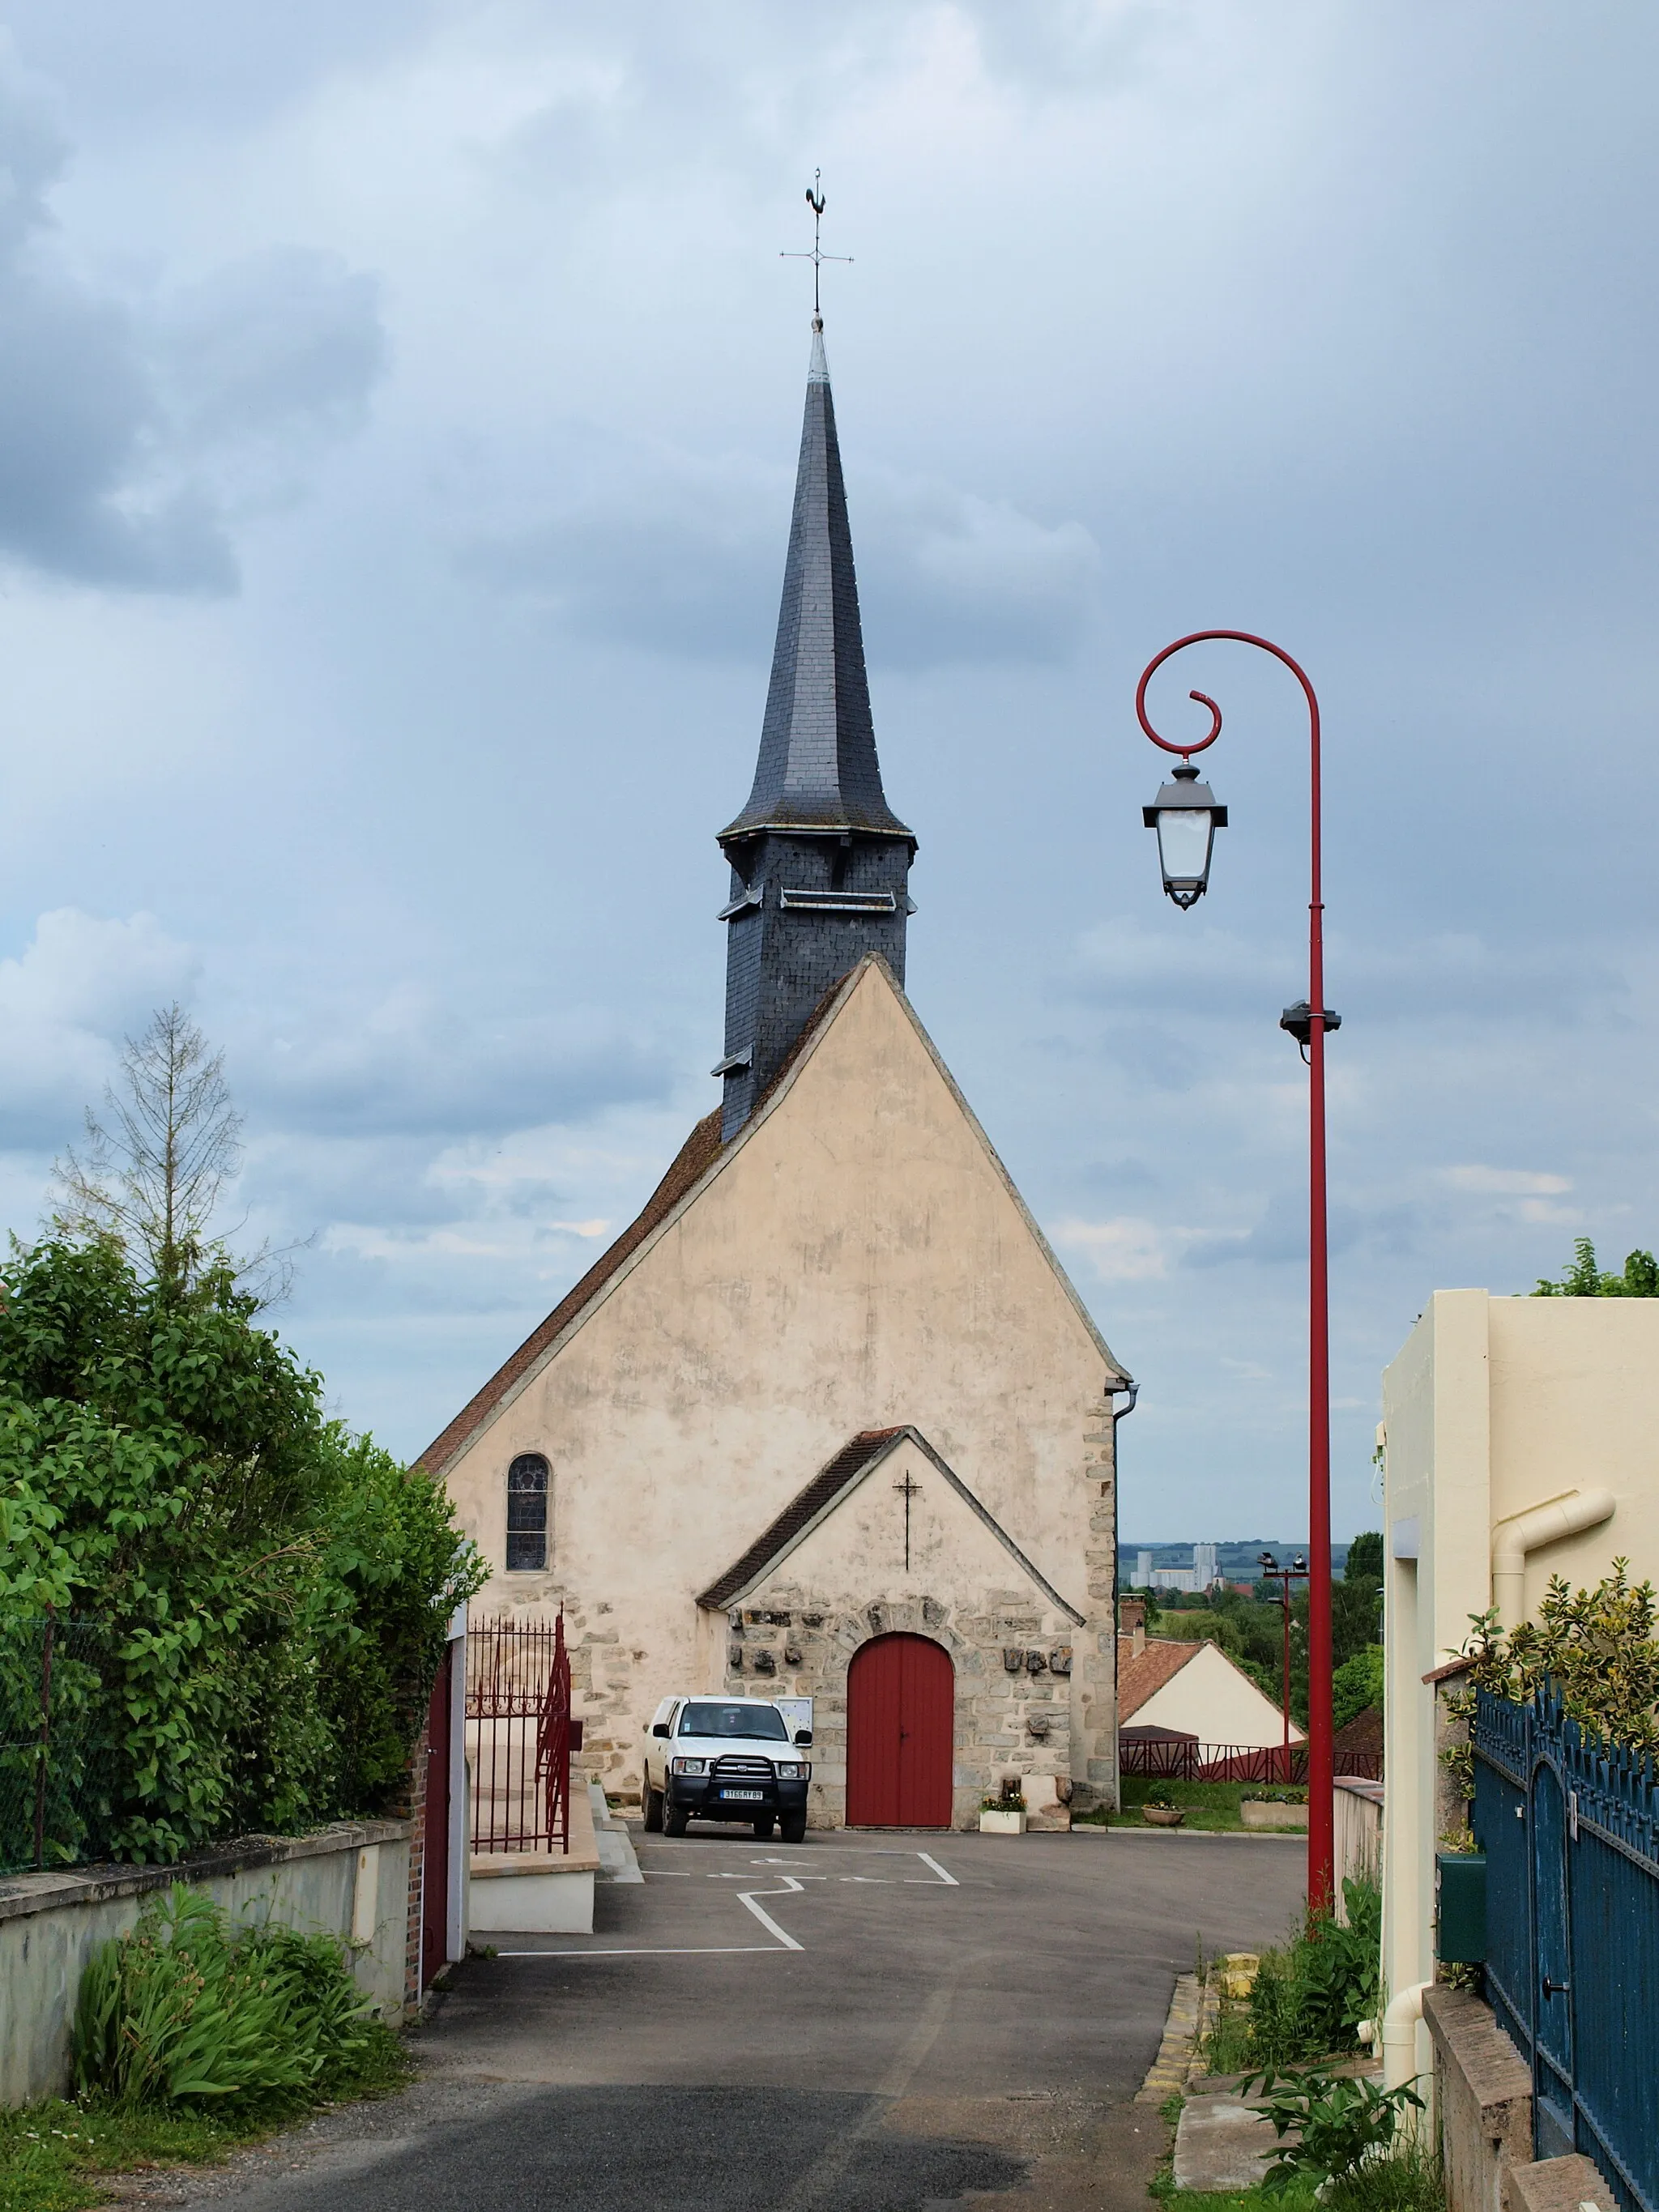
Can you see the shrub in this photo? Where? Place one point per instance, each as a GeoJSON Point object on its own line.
{"type": "Point", "coordinates": [269, 1594]}
{"type": "Point", "coordinates": [187, 2008]}
{"type": "Point", "coordinates": [1308, 1998]}
{"type": "Point", "coordinates": [1597, 1647]}
{"type": "Point", "coordinates": [1335, 2121]}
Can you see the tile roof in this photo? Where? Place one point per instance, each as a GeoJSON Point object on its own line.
{"type": "Point", "coordinates": [698, 1154]}
{"type": "Point", "coordinates": [1364, 1733]}
{"type": "Point", "coordinates": [693, 1160]}
{"type": "Point", "coordinates": [1140, 1675]}
{"type": "Point", "coordinates": [848, 1464]}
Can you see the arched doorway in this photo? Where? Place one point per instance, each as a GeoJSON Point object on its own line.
{"type": "Point", "coordinates": [900, 1705]}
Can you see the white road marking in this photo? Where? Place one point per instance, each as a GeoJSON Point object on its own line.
{"type": "Point", "coordinates": [928, 1860]}
{"type": "Point", "coordinates": [765, 1918]}
{"type": "Point", "coordinates": [668, 1951]}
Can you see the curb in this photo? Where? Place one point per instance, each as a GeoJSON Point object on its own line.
{"type": "Point", "coordinates": [1191, 2015]}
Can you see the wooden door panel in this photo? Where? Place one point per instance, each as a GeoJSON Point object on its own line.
{"type": "Point", "coordinates": [900, 1707]}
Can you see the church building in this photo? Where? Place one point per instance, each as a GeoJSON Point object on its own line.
{"type": "Point", "coordinates": [828, 1421]}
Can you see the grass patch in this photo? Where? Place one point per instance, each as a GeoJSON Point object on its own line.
{"type": "Point", "coordinates": [1211, 1807]}
{"type": "Point", "coordinates": [52, 2154]}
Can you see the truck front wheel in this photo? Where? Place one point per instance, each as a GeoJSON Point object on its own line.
{"type": "Point", "coordinates": [794, 1828]}
{"type": "Point", "coordinates": [653, 1811]}
{"type": "Point", "coordinates": [674, 1818]}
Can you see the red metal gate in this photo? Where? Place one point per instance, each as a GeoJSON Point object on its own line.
{"type": "Point", "coordinates": [900, 1707]}
{"type": "Point", "coordinates": [434, 1842]}
{"type": "Point", "coordinates": [520, 1734]}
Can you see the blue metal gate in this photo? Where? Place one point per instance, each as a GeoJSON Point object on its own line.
{"type": "Point", "coordinates": [1571, 1829]}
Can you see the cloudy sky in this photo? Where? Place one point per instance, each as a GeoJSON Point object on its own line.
{"type": "Point", "coordinates": [397, 413]}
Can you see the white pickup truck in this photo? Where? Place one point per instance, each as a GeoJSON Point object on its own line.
{"type": "Point", "coordinates": [726, 1759]}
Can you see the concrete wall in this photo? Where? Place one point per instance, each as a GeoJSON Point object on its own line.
{"type": "Point", "coordinates": [857, 1258]}
{"type": "Point", "coordinates": [1494, 1405]}
{"type": "Point", "coordinates": [351, 1881]}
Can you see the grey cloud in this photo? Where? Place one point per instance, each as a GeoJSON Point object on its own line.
{"type": "Point", "coordinates": [123, 424]}
{"type": "Point", "coordinates": [1281, 1235]}
{"type": "Point", "coordinates": [685, 554]}
{"type": "Point", "coordinates": [410, 1068]}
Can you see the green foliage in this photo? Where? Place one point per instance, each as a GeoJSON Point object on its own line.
{"type": "Point", "coordinates": [1310, 1998]}
{"type": "Point", "coordinates": [52, 2152]}
{"type": "Point", "coordinates": [270, 1593]}
{"type": "Point", "coordinates": [1597, 1647]}
{"type": "Point", "coordinates": [1357, 1683]}
{"type": "Point", "coordinates": [1584, 1279]}
{"type": "Point", "coordinates": [187, 2007]}
{"type": "Point", "coordinates": [1336, 2121]}
{"type": "Point", "coordinates": [1365, 1562]}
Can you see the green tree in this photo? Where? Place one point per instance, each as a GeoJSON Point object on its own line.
{"type": "Point", "coordinates": [1584, 1279]}
{"type": "Point", "coordinates": [1366, 1559]}
{"type": "Point", "coordinates": [269, 1594]}
{"type": "Point", "coordinates": [1357, 1683]}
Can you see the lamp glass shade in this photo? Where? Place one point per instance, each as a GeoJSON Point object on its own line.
{"type": "Point", "coordinates": [1186, 817]}
{"type": "Point", "coordinates": [1184, 845]}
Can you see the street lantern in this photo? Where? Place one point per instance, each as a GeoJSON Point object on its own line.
{"type": "Point", "coordinates": [1186, 817]}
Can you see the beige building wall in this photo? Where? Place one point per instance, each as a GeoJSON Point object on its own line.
{"type": "Point", "coordinates": [1210, 1698]}
{"type": "Point", "coordinates": [856, 1258]}
{"type": "Point", "coordinates": [1494, 1405]}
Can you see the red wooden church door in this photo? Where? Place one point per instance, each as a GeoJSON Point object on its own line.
{"type": "Point", "coordinates": [901, 1703]}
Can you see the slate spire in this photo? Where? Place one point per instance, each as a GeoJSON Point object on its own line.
{"type": "Point", "coordinates": [819, 861]}
{"type": "Point", "coordinates": [817, 767]}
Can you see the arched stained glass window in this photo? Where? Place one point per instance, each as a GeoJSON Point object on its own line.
{"type": "Point", "coordinates": [526, 1515]}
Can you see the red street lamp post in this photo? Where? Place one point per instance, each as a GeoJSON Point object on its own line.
{"type": "Point", "coordinates": [1186, 817]}
{"type": "Point", "coordinates": [1296, 1572]}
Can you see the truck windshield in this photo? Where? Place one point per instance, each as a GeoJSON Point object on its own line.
{"type": "Point", "coordinates": [733, 1720]}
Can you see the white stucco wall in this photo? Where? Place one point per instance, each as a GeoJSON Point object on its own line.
{"type": "Point", "coordinates": [1494, 1405]}
{"type": "Point", "coordinates": [1211, 1700]}
{"type": "Point", "coordinates": [856, 1260]}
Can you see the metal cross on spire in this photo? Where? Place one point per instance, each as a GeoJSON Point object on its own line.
{"type": "Point", "coordinates": [817, 256]}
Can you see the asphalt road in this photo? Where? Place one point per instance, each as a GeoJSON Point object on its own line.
{"type": "Point", "coordinates": [872, 2022]}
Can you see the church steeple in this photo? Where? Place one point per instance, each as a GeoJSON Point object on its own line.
{"type": "Point", "coordinates": [819, 861]}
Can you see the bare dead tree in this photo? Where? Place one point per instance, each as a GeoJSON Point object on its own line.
{"type": "Point", "coordinates": [153, 1167]}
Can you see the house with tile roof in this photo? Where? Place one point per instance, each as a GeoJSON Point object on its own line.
{"type": "Point", "coordinates": [1173, 1689]}
{"type": "Point", "coordinates": [827, 1420]}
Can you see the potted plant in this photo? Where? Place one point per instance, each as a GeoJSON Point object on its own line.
{"type": "Point", "coordinates": [1159, 1808]}
{"type": "Point", "coordinates": [1005, 1814]}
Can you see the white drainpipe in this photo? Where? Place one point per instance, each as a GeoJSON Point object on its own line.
{"type": "Point", "coordinates": [1511, 1540]}
{"type": "Point", "coordinates": [1399, 2036]}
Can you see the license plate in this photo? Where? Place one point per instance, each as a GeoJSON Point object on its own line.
{"type": "Point", "coordinates": [755, 1795]}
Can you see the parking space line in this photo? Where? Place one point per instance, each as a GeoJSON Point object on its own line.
{"type": "Point", "coordinates": [928, 1860]}
{"type": "Point", "coordinates": [785, 1941]}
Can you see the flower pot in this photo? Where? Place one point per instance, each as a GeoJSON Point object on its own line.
{"type": "Point", "coordinates": [1258, 1812]}
{"type": "Point", "coordinates": [1002, 1824]}
{"type": "Point", "coordinates": [1163, 1816]}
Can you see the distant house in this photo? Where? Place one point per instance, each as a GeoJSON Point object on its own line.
{"type": "Point", "coordinates": [1192, 1690]}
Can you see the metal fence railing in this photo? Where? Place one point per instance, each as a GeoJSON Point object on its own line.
{"type": "Point", "coordinates": [50, 1682]}
{"type": "Point", "coordinates": [1184, 1759]}
{"type": "Point", "coordinates": [1569, 1826]}
{"type": "Point", "coordinates": [520, 1735]}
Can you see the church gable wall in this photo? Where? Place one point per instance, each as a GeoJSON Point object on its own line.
{"type": "Point", "coordinates": [858, 1261]}
{"type": "Point", "coordinates": [903, 1550]}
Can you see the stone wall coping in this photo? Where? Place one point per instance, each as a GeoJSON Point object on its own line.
{"type": "Point", "coordinates": [23, 1894]}
{"type": "Point", "coordinates": [1560, 2184]}
{"type": "Point", "coordinates": [1471, 2044]}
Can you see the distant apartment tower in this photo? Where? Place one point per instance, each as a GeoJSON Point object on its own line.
{"type": "Point", "coordinates": [1202, 1573]}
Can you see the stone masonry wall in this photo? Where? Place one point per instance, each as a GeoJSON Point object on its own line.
{"type": "Point", "coordinates": [1012, 1660]}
